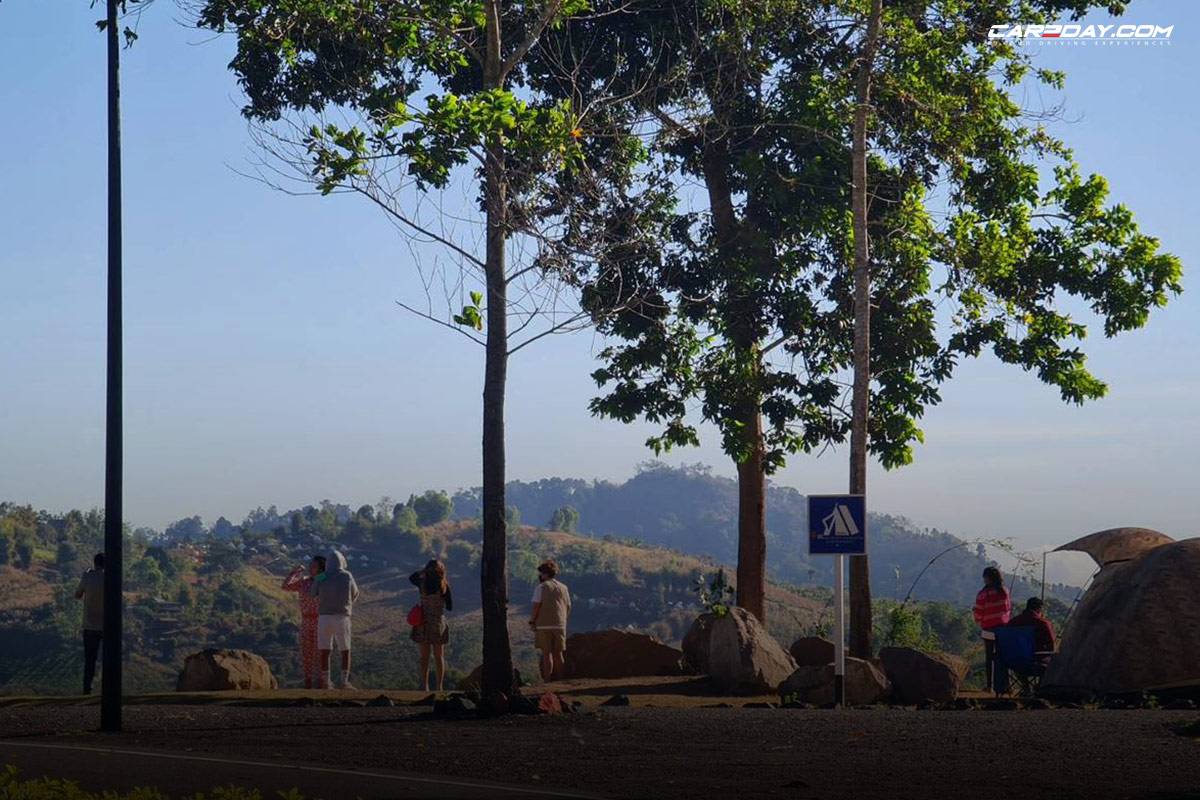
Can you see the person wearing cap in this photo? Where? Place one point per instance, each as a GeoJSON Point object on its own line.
{"type": "Point", "coordinates": [551, 608]}
{"type": "Point", "coordinates": [300, 581]}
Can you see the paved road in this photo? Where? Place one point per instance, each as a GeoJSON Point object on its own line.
{"type": "Point", "coordinates": [99, 768]}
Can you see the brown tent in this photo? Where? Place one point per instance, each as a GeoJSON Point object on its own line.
{"type": "Point", "coordinates": [1138, 626]}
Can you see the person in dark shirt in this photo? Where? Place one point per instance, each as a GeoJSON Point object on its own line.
{"type": "Point", "coordinates": [1043, 629]}
{"type": "Point", "coordinates": [433, 633]}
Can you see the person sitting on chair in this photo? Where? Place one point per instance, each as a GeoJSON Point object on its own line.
{"type": "Point", "coordinates": [1043, 630]}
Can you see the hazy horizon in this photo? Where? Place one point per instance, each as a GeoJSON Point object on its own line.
{"type": "Point", "coordinates": [267, 362]}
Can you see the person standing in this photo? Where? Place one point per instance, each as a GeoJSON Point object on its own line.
{"type": "Point", "coordinates": [300, 581]}
{"type": "Point", "coordinates": [91, 592]}
{"type": "Point", "coordinates": [433, 633]}
{"type": "Point", "coordinates": [336, 593]}
{"type": "Point", "coordinates": [993, 608]}
{"type": "Point", "coordinates": [548, 618]}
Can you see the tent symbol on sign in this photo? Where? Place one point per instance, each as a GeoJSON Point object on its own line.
{"type": "Point", "coordinates": [840, 522]}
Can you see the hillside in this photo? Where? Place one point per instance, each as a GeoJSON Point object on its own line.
{"type": "Point", "coordinates": [185, 596]}
{"type": "Point", "coordinates": [693, 511]}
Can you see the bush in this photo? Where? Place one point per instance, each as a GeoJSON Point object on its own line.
{"type": "Point", "coordinates": [432, 507]}
{"type": "Point", "coordinates": [23, 552]}
{"type": "Point", "coordinates": [565, 519]}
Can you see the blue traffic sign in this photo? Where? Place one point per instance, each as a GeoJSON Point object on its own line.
{"type": "Point", "coordinates": [837, 524]}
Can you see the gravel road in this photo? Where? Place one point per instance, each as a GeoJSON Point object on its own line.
{"type": "Point", "coordinates": [688, 753]}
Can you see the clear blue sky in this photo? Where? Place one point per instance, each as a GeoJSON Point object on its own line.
{"type": "Point", "coordinates": [267, 362]}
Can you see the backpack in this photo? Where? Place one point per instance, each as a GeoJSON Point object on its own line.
{"type": "Point", "coordinates": [416, 616]}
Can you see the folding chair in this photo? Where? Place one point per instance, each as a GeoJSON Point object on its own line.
{"type": "Point", "coordinates": [1015, 653]}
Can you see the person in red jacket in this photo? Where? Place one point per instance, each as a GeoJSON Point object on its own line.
{"type": "Point", "coordinates": [993, 607]}
{"type": "Point", "coordinates": [1043, 630]}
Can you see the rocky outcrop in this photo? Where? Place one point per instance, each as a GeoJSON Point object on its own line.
{"type": "Point", "coordinates": [740, 656]}
{"type": "Point", "coordinates": [865, 684]}
{"type": "Point", "coordinates": [225, 670]}
{"type": "Point", "coordinates": [695, 644]}
{"type": "Point", "coordinates": [619, 654]}
{"type": "Point", "coordinates": [812, 651]}
{"type": "Point", "coordinates": [918, 677]}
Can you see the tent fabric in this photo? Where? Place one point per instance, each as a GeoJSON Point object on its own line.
{"type": "Point", "coordinates": [1118, 544]}
{"type": "Point", "coordinates": [1138, 626]}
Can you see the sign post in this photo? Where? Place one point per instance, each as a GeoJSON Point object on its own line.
{"type": "Point", "coordinates": [837, 526]}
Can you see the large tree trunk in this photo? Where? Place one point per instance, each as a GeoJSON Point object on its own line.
{"type": "Point", "coordinates": [497, 679]}
{"type": "Point", "coordinates": [860, 573]}
{"type": "Point", "coordinates": [752, 499]}
{"type": "Point", "coordinates": [752, 522]}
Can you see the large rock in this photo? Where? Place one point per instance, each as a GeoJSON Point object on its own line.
{"type": "Point", "coordinates": [225, 670]}
{"type": "Point", "coordinates": [619, 654]}
{"type": "Point", "coordinates": [812, 651]}
{"type": "Point", "coordinates": [742, 657]}
{"type": "Point", "coordinates": [922, 677]}
{"type": "Point", "coordinates": [695, 644]}
{"type": "Point", "coordinates": [474, 681]}
{"type": "Point", "coordinates": [865, 684]}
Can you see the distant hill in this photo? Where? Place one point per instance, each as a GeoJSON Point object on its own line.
{"type": "Point", "coordinates": [691, 510]}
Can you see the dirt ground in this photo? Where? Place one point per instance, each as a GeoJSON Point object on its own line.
{"type": "Point", "coordinates": [685, 752]}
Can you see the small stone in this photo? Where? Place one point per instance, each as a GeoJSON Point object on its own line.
{"type": "Point", "coordinates": [617, 700]}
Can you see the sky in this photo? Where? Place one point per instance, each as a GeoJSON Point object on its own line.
{"type": "Point", "coordinates": [268, 363]}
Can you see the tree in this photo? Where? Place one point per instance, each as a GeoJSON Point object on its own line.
{"type": "Point", "coordinates": [146, 575]}
{"type": "Point", "coordinates": [736, 316]}
{"type": "Point", "coordinates": [5, 544]}
{"type": "Point", "coordinates": [188, 529]}
{"type": "Point", "coordinates": [66, 556]}
{"type": "Point", "coordinates": [23, 550]}
{"type": "Point", "coordinates": [430, 89]}
{"type": "Point", "coordinates": [1026, 243]}
{"type": "Point", "coordinates": [404, 517]}
{"type": "Point", "coordinates": [223, 528]}
{"type": "Point", "coordinates": [565, 519]}
{"type": "Point", "coordinates": [860, 573]}
{"type": "Point", "coordinates": [763, 115]}
{"type": "Point", "coordinates": [432, 507]}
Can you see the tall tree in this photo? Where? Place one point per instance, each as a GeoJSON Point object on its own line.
{"type": "Point", "coordinates": [763, 111]}
{"type": "Point", "coordinates": [860, 572]}
{"type": "Point", "coordinates": [430, 87]}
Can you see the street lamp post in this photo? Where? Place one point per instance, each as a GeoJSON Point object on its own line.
{"type": "Point", "coordinates": [110, 701]}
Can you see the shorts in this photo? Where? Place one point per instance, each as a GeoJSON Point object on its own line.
{"type": "Point", "coordinates": [551, 640]}
{"type": "Point", "coordinates": [333, 629]}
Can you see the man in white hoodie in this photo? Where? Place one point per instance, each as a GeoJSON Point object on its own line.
{"type": "Point", "coordinates": [336, 592]}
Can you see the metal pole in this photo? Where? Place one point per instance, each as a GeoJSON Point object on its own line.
{"type": "Point", "coordinates": [1043, 577]}
{"type": "Point", "coordinates": [839, 637]}
{"type": "Point", "coordinates": [110, 701]}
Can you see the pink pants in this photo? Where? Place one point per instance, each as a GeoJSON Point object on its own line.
{"type": "Point", "coordinates": [310, 657]}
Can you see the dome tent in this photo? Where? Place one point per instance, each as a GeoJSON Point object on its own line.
{"type": "Point", "coordinates": [1137, 627]}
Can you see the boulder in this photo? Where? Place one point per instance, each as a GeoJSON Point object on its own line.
{"type": "Point", "coordinates": [812, 651]}
{"type": "Point", "coordinates": [473, 681]}
{"type": "Point", "coordinates": [225, 670]}
{"type": "Point", "coordinates": [742, 657]}
{"type": "Point", "coordinates": [922, 677]}
{"type": "Point", "coordinates": [695, 644]}
{"type": "Point", "coordinates": [865, 684]}
{"type": "Point", "coordinates": [619, 654]}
